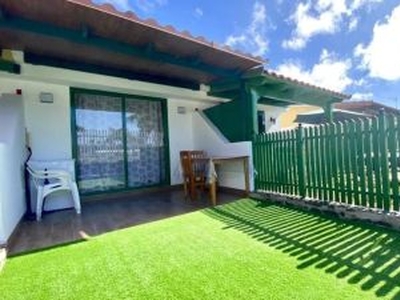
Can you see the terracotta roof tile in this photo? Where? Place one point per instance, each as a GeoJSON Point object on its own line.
{"type": "Point", "coordinates": [109, 8]}
{"type": "Point", "coordinates": [305, 84]}
{"type": "Point", "coordinates": [372, 107]}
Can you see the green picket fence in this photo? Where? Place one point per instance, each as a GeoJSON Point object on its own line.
{"type": "Point", "coordinates": [355, 162]}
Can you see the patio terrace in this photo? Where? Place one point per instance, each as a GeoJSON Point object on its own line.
{"type": "Point", "coordinates": [105, 214]}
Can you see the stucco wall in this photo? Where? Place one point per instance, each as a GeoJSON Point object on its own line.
{"type": "Point", "coordinates": [12, 156]}
{"type": "Point", "coordinates": [48, 125]}
{"type": "Point", "coordinates": [273, 122]}
{"type": "Point", "coordinates": [180, 133]}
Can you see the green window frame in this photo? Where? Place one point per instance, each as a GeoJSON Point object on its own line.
{"type": "Point", "coordinates": [164, 114]}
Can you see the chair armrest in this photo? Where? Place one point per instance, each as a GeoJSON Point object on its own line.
{"type": "Point", "coordinates": [55, 174]}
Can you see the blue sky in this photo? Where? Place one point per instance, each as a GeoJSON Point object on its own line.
{"type": "Point", "coordinates": [350, 46]}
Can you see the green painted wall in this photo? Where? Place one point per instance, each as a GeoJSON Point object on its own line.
{"type": "Point", "coordinates": [229, 119]}
{"type": "Point", "coordinates": [9, 66]}
{"type": "Point", "coordinates": [237, 119]}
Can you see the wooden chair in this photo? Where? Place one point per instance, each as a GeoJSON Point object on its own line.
{"type": "Point", "coordinates": [194, 171]}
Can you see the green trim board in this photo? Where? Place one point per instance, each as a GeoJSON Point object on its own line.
{"type": "Point", "coordinates": [147, 52]}
{"type": "Point", "coordinates": [274, 102]}
{"type": "Point", "coordinates": [43, 60]}
{"type": "Point", "coordinates": [164, 170]}
{"type": "Point", "coordinates": [164, 110]}
{"type": "Point", "coordinates": [9, 66]}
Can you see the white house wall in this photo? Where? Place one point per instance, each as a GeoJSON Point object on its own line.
{"type": "Point", "coordinates": [180, 134]}
{"type": "Point", "coordinates": [272, 112]}
{"type": "Point", "coordinates": [48, 125]}
{"type": "Point", "coordinates": [12, 157]}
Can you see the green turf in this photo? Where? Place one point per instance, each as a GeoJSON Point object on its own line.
{"type": "Point", "coordinates": [243, 250]}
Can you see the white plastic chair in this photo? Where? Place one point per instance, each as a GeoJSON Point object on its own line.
{"type": "Point", "coordinates": [50, 181]}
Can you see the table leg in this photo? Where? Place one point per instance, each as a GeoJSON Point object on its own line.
{"type": "Point", "coordinates": [213, 192]}
{"type": "Point", "coordinates": [246, 175]}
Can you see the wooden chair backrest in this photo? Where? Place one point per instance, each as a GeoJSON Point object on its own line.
{"type": "Point", "coordinates": [193, 162]}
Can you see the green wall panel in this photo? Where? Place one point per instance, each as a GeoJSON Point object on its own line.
{"type": "Point", "coordinates": [229, 119]}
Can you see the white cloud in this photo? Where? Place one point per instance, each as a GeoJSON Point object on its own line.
{"type": "Point", "coordinates": [253, 39]}
{"type": "Point", "coordinates": [121, 5]}
{"type": "Point", "coordinates": [381, 57]}
{"type": "Point", "coordinates": [144, 5]}
{"type": "Point", "coordinates": [353, 24]}
{"type": "Point", "coordinates": [198, 12]}
{"type": "Point", "coordinates": [314, 17]}
{"type": "Point", "coordinates": [149, 5]}
{"type": "Point", "coordinates": [330, 72]}
{"type": "Point", "coordinates": [356, 4]}
{"type": "Point", "coordinates": [362, 96]}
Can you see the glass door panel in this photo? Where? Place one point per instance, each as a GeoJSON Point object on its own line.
{"type": "Point", "coordinates": [144, 142]}
{"type": "Point", "coordinates": [99, 142]}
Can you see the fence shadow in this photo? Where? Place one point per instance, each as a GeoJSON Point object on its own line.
{"type": "Point", "coordinates": [365, 255]}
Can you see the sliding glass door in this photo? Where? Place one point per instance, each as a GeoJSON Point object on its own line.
{"type": "Point", "coordinates": [144, 137]}
{"type": "Point", "coordinates": [119, 141]}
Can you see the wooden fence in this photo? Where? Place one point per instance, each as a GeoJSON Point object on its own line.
{"type": "Point", "coordinates": [355, 162]}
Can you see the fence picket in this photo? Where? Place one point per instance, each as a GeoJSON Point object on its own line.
{"type": "Point", "coordinates": [268, 166]}
{"type": "Point", "coordinates": [394, 182]}
{"type": "Point", "coordinates": [327, 162]}
{"type": "Point", "coordinates": [376, 161]}
{"type": "Point", "coordinates": [256, 158]}
{"type": "Point", "coordinates": [287, 165]}
{"type": "Point", "coordinates": [334, 153]}
{"type": "Point", "coordinates": [261, 174]}
{"type": "Point", "coordinates": [383, 142]}
{"type": "Point", "coordinates": [361, 161]}
{"type": "Point", "coordinates": [300, 160]}
{"type": "Point", "coordinates": [353, 163]}
{"type": "Point", "coordinates": [311, 158]}
{"type": "Point", "coordinates": [293, 176]}
{"type": "Point", "coordinates": [306, 162]}
{"type": "Point", "coordinates": [318, 161]}
{"type": "Point", "coordinates": [369, 164]}
{"type": "Point", "coordinates": [341, 166]}
{"type": "Point", "coordinates": [279, 161]}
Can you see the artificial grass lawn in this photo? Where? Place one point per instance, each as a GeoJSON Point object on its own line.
{"type": "Point", "coordinates": [243, 250]}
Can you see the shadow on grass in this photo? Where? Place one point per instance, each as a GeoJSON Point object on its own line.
{"type": "Point", "coordinates": [365, 255]}
{"type": "Point", "coordinates": [39, 250]}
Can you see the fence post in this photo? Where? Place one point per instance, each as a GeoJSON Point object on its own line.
{"type": "Point", "coordinates": [384, 160]}
{"type": "Point", "coordinates": [300, 160]}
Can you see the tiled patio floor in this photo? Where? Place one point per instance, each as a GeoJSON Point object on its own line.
{"type": "Point", "coordinates": [99, 217]}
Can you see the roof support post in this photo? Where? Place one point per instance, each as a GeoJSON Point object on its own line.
{"type": "Point", "coordinates": [328, 112]}
{"type": "Point", "coordinates": [249, 98]}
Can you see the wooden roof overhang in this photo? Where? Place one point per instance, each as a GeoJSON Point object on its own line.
{"type": "Point", "coordinates": [277, 90]}
{"type": "Point", "coordinates": [81, 35]}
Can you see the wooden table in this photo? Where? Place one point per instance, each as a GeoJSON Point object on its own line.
{"type": "Point", "coordinates": [219, 160]}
